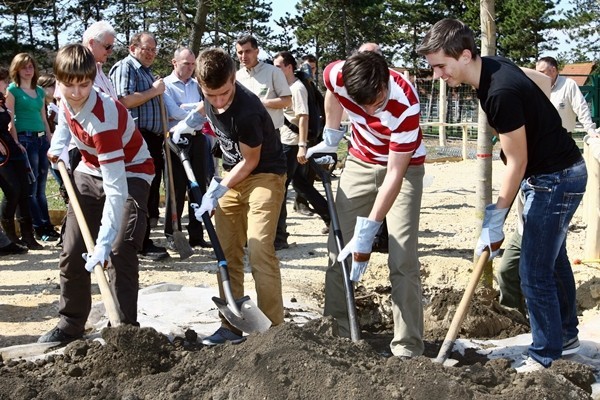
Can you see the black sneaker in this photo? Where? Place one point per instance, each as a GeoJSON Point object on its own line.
{"type": "Point", "coordinates": [280, 245]}
{"type": "Point", "coordinates": [45, 234]}
{"type": "Point", "coordinates": [303, 210]}
{"type": "Point", "coordinates": [571, 346]}
{"type": "Point", "coordinates": [13, 248]}
{"type": "Point", "coordinates": [200, 243]}
{"type": "Point", "coordinates": [58, 335]}
{"type": "Point", "coordinates": [154, 253]}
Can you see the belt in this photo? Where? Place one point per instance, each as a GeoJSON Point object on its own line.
{"type": "Point", "coordinates": [32, 134]}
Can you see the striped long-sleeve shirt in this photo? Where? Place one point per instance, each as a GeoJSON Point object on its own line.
{"type": "Point", "coordinates": [395, 128]}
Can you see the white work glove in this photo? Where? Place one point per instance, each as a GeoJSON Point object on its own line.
{"type": "Point", "coordinates": [492, 234]}
{"type": "Point", "coordinates": [210, 199]}
{"type": "Point", "coordinates": [360, 246]}
{"type": "Point", "coordinates": [190, 106]}
{"type": "Point", "coordinates": [331, 140]}
{"type": "Point", "coordinates": [99, 256]}
{"type": "Point", "coordinates": [180, 129]}
{"type": "Point", "coordinates": [52, 107]}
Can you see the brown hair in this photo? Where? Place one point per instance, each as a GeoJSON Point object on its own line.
{"type": "Point", "coordinates": [74, 63]}
{"type": "Point", "coordinates": [450, 35]}
{"type": "Point", "coordinates": [47, 80]}
{"type": "Point", "coordinates": [214, 68]}
{"type": "Point", "coordinates": [20, 61]}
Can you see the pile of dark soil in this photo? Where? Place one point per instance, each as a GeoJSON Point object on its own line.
{"type": "Point", "coordinates": [286, 362]}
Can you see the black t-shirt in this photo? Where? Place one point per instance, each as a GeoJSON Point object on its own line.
{"type": "Point", "coordinates": [247, 121]}
{"type": "Point", "coordinates": [510, 100]}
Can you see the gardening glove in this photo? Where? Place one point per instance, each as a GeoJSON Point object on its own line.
{"type": "Point", "coordinates": [52, 107]}
{"type": "Point", "coordinates": [99, 256]}
{"type": "Point", "coordinates": [360, 246]}
{"type": "Point", "coordinates": [492, 234]}
{"type": "Point", "coordinates": [179, 130]}
{"type": "Point", "coordinates": [210, 199]}
{"type": "Point", "coordinates": [331, 140]}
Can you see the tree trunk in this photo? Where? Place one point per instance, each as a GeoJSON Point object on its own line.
{"type": "Point", "coordinates": [484, 134]}
{"type": "Point", "coordinates": [198, 26]}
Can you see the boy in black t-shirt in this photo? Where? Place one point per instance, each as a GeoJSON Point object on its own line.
{"type": "Point", "coordinates": [249, 196]}
{"type": "Point", "coordinates": [542, 161]}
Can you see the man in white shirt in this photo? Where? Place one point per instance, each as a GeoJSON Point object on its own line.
{"type": "Point", "coordinates": [566, 97]}
{"type": "Point", "coordinates": [182, 95]}
{"type": "Point", "coordinates": [262, 79]}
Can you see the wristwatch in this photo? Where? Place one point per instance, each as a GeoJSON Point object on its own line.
{"type": "Point", "coordinates": [301, 144]}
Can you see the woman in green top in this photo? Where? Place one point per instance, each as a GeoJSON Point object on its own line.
{"type": "Point", "coordinates": [26, 101]}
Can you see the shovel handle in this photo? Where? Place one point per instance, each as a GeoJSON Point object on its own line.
{"type": "Point", "coordinates": [110, 301]}
{"type": "Point", "coordinates": [196, 196]}
{"type": "Point", "coordinates": [339, 241]}
{"type": "Point", "coordinates": [462, 309]}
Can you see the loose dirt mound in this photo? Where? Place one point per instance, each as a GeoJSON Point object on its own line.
{"type": "Point", "coordinates": [287, 362]}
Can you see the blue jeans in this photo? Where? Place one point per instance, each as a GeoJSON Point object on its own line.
{"type": "Point", "coordinates": [37, 150]}
{"type": "Point", "coordinates": [546, 275]}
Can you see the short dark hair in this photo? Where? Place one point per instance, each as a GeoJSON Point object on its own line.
{"type": "Point", "coordinates": [365, 75]}
{"type": "Point", "coordinates": [3, 74]}
{"type": "Point", "coordinates": [242, 40]}
{"type": "Point", "coordinates": [74, 63]}
{"type": "Point", "coordinates": [309, 58]}
{"type": "Point", "coordinates": [288, 58]}
{"type": "Point", "coordinates": [550, 61]}
{"type": "Point", "coordinates": [214, 68]}
{"type": "Point", "coordinates": [136, 39]}
{"type": "Point", "coordinates": [450, 35]}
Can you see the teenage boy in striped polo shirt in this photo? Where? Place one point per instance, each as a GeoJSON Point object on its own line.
{"type": "Point", "coordinates": [112, 181]}
{"type": "Point", "coordinates": [383, 177]}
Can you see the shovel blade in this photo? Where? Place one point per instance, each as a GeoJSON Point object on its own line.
{"type": "Point", "coordinates": [251, 320]}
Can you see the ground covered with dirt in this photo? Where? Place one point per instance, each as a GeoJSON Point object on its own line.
{"type": "Point", "coordinates": [286, 362]}
{"type": "Point", "coordinates": [294, 361]}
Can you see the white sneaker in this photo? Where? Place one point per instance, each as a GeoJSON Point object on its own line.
{"type": "Point", "coordinates": [528, 365]}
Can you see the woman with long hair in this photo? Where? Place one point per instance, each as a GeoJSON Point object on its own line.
{"type": "Point", "coordinates": [26, 100]}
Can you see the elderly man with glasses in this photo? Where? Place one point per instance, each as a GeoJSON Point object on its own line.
{"type": "Point", "coordinates": [140, 92]}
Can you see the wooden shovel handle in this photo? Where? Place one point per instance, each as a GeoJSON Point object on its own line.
{"type": "Point", "coordinates": [463, 306]}
{"type": "Point", "coordinates": [110, 301]}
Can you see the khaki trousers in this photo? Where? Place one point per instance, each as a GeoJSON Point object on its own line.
{"type": "Point", "coordinates": [358, 187]}
{"type": "Point", "coordinates": [248, 214]}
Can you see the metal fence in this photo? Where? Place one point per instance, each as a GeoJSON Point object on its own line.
{"type": "Point", "coordinates": [462, 108]}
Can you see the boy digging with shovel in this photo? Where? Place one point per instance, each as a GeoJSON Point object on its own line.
{"type": "Point", "coordinates": [112, 183]}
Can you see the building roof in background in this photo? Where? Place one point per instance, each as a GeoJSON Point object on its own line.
{"type": "Point", "coordinates": [578, 69]}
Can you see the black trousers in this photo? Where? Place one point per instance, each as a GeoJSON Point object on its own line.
{"type": "Point", "coordinates": [196, 153]}
{"type": "Point", "coordinates": [155, 143]}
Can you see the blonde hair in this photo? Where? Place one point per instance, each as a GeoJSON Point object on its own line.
{"type": "Point", "coordinates": [19, 62]}
{"type": "Point", "coordinates": [74, 63]}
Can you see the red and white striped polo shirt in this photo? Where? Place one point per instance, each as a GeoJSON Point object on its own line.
{"type": "Point", "coordinates": [104, 132]}
{"type": "Point", "coordinates": [395, 128]}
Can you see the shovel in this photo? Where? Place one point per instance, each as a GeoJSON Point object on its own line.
{"type": "Point", "coordinates": [462, 309]}
{"type": "Point", "coordinates": [181, 243]}
{"type": "Point", "coordinates": [110, 300]}
{"type": "Point", "coordinates": [339, 241]}
{"type": "Point", "coordinates": [242, 313]}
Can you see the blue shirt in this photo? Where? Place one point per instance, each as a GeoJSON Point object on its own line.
{"type": "Point", "coordinates": [179, 98]}
{"type": "Point", "coordinates": [129, 76]}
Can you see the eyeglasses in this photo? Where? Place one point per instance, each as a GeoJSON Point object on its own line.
{"type": "Point", "coordinates": [107, 47]}
{"type": "Point", "coordinates": [152, 50]}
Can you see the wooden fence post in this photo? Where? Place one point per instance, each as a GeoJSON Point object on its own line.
{"type": "Point", "coordinates": [591, 203]}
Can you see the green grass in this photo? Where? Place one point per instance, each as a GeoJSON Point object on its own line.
{"type": "Point", "coordinates": [55, 201]}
